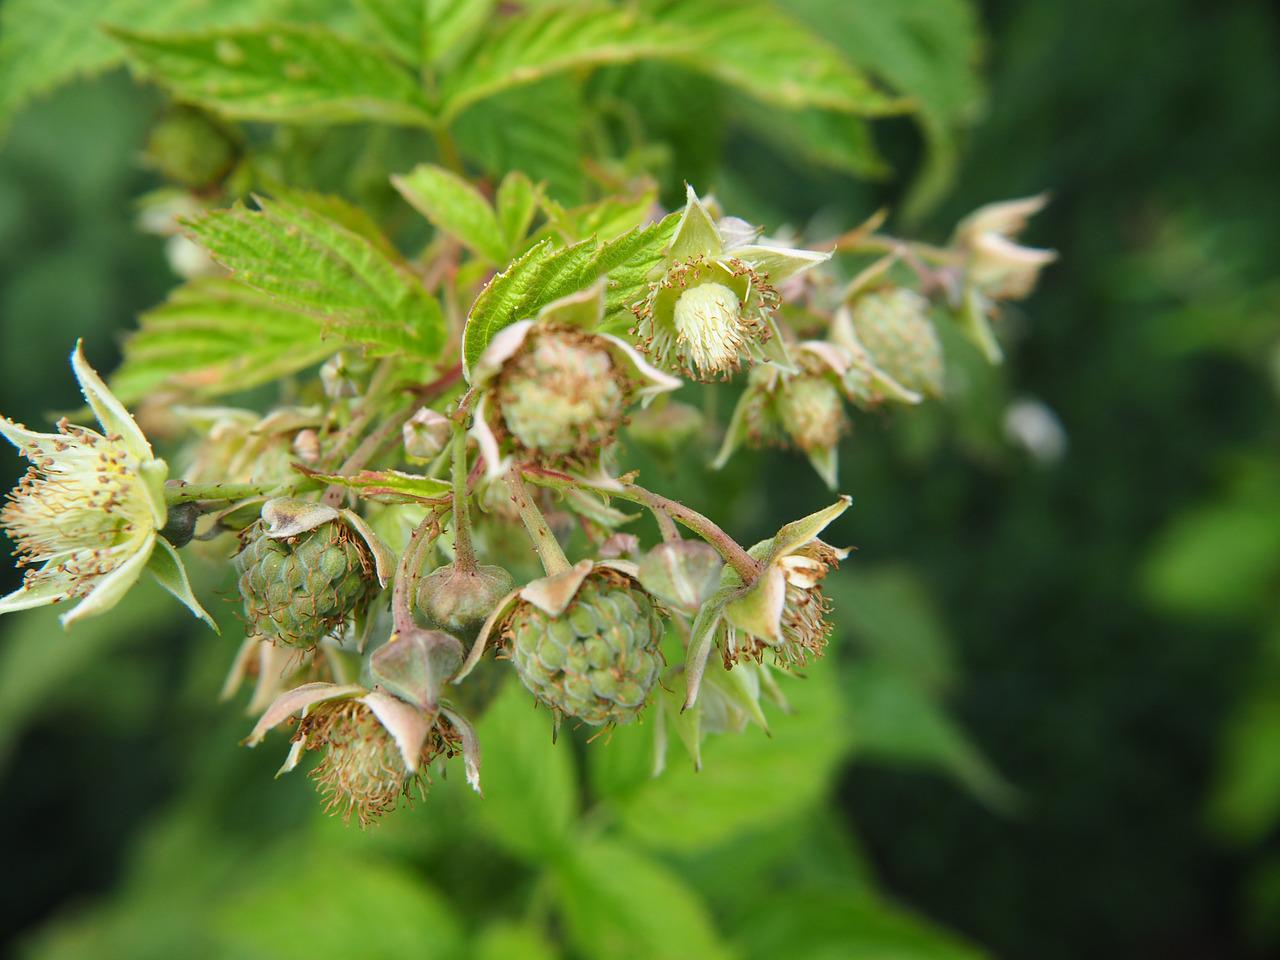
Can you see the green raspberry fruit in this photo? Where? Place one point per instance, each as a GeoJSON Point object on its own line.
{"type": "Point", "coordinates": [298, 590]}
{"type": "Point", "coordinates": [812, 412]}
{"type": "Point", "coordinates": [562, 395]}
{"type": "Point", "coordinates": [599, 659]}
{"type": "Point", "coordinates": [895, 328]}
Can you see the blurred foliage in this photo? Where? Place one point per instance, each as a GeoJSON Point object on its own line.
{"type": "Point", "coordinates": [1106, 628]}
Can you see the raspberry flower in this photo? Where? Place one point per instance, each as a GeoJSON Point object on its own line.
{"type": "Point", "coordinates": [712, 307]}
{"type": "Point", "coordinates": [782, 610]}
{"type": "Point", "coordinates": [86, 519]}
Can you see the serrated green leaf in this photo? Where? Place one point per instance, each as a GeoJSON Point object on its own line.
{"type": "Point", "coordinates": [782, 774]}
{"type": "Point", "coordinates": [545, 274]}
{"type": "Point", "coordinates": [929, 50]}
{"type": "Point", "coordinates": [538, 129]}
{"type": "Point", "coordinates": [748, 45]}
{"type": "Point", "coordinates": [896, 721]}
{"type": "Point", "coordinates": [401, 25]}
{"type": "Point", "coordinates": [618, 903]}
{"type": "Point", "coordinates": [604, 219]}
{"type": "Point", "coordinates": [452, 25]}
{"type": "Point", "coordinates": [516, 203]}
{"type": "Point", "coordinates": [281, 73]}
{"type": "Point", "coordinates": [453, 205]}
{"type": "Point", "coordinates": [530, 790]}
{"type": "Point", "coordinates": [754, 47]}
{"type": "Point", "coordinates": [830, 923]}
{"type": "Point", "coordinates": [389, 486]}
{"type": "Point", "coordinates": [388, 911]}
{"type": "Point", "coordinates": [629, 281]}
{"type": "Point", "coordinates": [539, 43]}
{"type": "Point", "coordinates": [44, 43]}
{"type": "Point", "coordinates": [214, 337]}
{"type": "Point", "coordinates": [310, 261]}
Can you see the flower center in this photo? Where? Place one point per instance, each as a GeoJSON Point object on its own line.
{"type": "Point", "coordinates": [709, 326]}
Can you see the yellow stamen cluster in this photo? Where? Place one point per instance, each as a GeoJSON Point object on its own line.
{"type": "Point", "coordinates": [80, 511]}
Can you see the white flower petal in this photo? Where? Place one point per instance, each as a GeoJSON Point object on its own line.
{"type": "Point", "coordinates": [111, 413]}
{"type": "Point", "coordinates": [108, 591]}
{"type": "Point", "coordinates": [46, 590]}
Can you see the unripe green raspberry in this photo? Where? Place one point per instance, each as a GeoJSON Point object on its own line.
{"type": "Point", "coordinates": [190, 148]}
{"type": "Point", "coordinates": [894, 327]}
{"type": "Point", "coordinates": [812, 412]}
{"type": "Point", "coordinates": [298, 590]}
{"type": "Point", "coordinates": [458, 601]}
{"type": "Point", "coordinates": [561, 395]}
{"type": "Point", "coordinates": [600, 658]}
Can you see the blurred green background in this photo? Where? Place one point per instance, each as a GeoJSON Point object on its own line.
{"type": "Point", "coordinates": [1053, 724]}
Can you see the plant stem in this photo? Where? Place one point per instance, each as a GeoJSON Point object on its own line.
{"type": "Point", "coordinates": [544, 541]}
{"type": "Point", "coordinates": [448, 150]}
{"type": "Point", "coordinates": [407, 573]}
{"type": "Point", "coordinates": [368, 409]}
{"type": "Point", "coordinates": [666, 526]}
{"type": "Point", "coordinates": [180, 491]}
{"type": "Point", "coordinates": [464, 554]}
{"type": "Point", "coordinates": [725, 545]}
{"type": "Point", "coordinates": [369, 448]}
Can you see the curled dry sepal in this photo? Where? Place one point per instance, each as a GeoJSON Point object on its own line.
{"type": "Point", "coordinates": [515, 447]}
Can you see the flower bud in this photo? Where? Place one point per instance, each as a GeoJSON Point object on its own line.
{"type": "Point", "coordinates": [426, 434]}
{"type": "Point", "coordinates": [341, 376]}
{"type": "Point", "coordinates": [459, 601]}
{"type": "Point", "coordinates": [190, 148]}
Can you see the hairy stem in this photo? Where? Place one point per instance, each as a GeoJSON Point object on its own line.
{"type": "Point", "coordinates": [180, 491]}
{"type": "Point", "coordinates": [464, 554]}
{"type": "Point", "coordinates": [407, 573]}
{"type": "Point", "coordinates": [544, 541]}
{"type": "Point", "coordinates": [725, 545]}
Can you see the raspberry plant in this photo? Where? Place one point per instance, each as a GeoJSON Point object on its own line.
{"type": "Point", "coordinates": [422, 411]}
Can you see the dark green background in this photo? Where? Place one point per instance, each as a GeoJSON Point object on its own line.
{"type": "Point", "coordinates": [1102, 697]}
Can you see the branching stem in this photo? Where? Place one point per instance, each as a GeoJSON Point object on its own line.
{"type": "Point", "coordinates": [544, 541]}
{"type": "Point", "coordinates": [725, 545]}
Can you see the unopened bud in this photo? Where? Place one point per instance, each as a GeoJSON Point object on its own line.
{"type": "Point", "coordinates": [190, 148]}
{"type": "Point", "coordinates": [458, 600]}
{"type": "Point", "coordinates": [426, 434]}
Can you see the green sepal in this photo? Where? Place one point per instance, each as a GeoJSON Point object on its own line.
{"type": "Point", "coordinates": [166, 566]}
